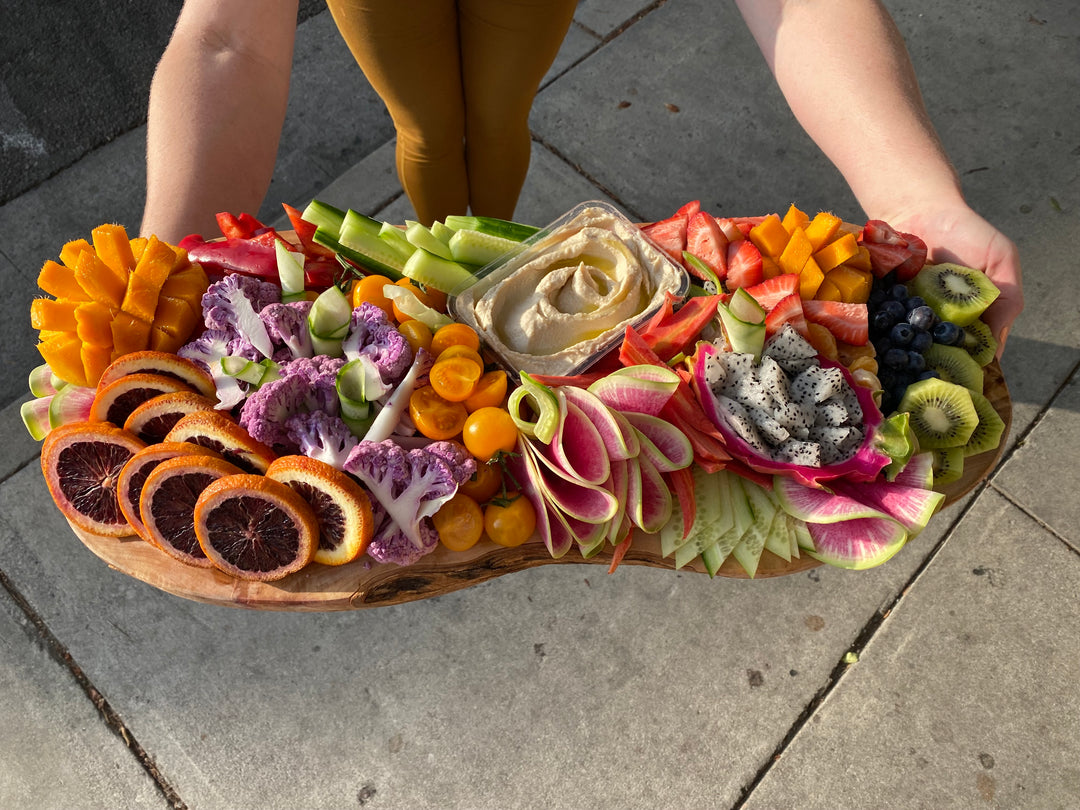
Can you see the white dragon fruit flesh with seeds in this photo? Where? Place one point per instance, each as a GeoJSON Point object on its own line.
{"type": "Point", "coordinates": [793, 414]}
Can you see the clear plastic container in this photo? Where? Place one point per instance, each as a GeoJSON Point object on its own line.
{"type": "Point", "coordinates": [560, 352]}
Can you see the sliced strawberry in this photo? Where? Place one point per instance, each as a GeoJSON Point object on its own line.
{"type": "Point", "coordinates": [744, 265]}
{"type": "Point", "coordinates": [706, 241]}
{"type": "Point", "coordinates": [669, 235]}
{"type": "Point", "coordinates": [770, 291]}
{"type": "Point", "coordinates": [885, 258]}
{"type": "Point", "coordinates": [910, 267]}
{"type": "Point", "coordinates": [878, 232]}
{"type": "Point", "coordinates": [732, 230]}
{"type": "Point", "coordinates": [689, 209]}
{"type": "Point", "coordinates": [787, 310]}
{"type": "Point", "coordinates": [848, 322]}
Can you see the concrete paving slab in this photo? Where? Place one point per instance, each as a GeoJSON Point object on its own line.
{"type": "Point", "coordinates": [20, 448]}
{"type": "Point", "coordinates": [18, 339]}
{"type": "Point", "coordinates": [966, 697]}
{"type": "Point", "coordinates": [1040, 477]}
{"type": "Point", "coordinates": [632, 687]}
{"type": "Point", "coordinates": [57, 753]}
{"type": "Point", "coordinates": [606, 16]}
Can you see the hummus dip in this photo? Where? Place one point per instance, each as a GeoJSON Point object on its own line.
{"type": "Point", "coordinates": [568, 298]}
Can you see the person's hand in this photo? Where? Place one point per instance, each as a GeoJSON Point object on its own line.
{"type": "Point", "coordinates": [957, 234]}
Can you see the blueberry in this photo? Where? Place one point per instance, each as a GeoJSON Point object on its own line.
{"type": "Point", "coordinates": [895, 358]}
{"type": "Point", "coordinates": [882, 322]}
{"type": "Point", "coordinates": [877, 296]}
{"type": "Point", "coordinates": [922, 317]}
{"type": "Point", "coordinates": [895, 309]}
{"type": "Point", "coordinates": [921, 342]}
{"type": "Point", "coordinates": [916, 363]}
{"type": "Point", "coordinates": [898, 292]}
{"type": "Point", "coordinates": [901, 334]}
{"type": "Point", "coordinates": [914, 302]}
{"type": "Point", "coordinates": [948, 333]}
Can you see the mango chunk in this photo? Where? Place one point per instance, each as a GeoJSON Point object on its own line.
{"type": "Point", "coordinates": [822, 229]}
{"type": "Point", "coordinates": [770, 236]}
{"type": "Point", "coordinates": [810, 278]}
{"type": "Point", "coordinates": [70, 252]}
{"type": "Point", "coordinates": [99, 281]}
{"type": "Point", "coordinates": [130, 334]}
{"type": "Point", "coordinates": [796, 253]}
{"type": "Point", "coordinates": [795, 218]}
{"type": "Point", "coordinates": [827, 291]}
{"type": "Point", "coordinates": [62, 352]}
{"type": "Point", "coordinates": [53, 316]}
{"type": "Point", "coordinates": [95, 359]}
{"type": "Point", "coordinates": [113, 247]}
{"type": "Point", "coordinates": [162, 341]}
{"type": "Point", "coordinates": [176, 317]}
{"type": "Point", "coordinates": [94, 323]}
{"type": "Point", "coordinates": [58, 280]}
{"type": "Point", "coordinates": [836, 252]}
{"type": "Point", "coordinates": [854, 285]}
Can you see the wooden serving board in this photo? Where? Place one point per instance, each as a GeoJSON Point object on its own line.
{"type": "Point", "coordinates": [365, 583]}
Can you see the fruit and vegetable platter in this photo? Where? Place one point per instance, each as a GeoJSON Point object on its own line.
{"type": "Point", "coordinates": [353, 413]}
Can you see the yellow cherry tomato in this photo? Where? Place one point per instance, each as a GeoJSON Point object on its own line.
{"type": "Point", "coordinates": [488, 432]}
{"type": "Point", "coordinates": [369, 289]}
{"type": "Point", "coordinates": [417, 333]}
{"type": "Point", "coordinates": [484, 484]}
{"type": "Point", "coordinates": [511, 522]}
{"type": "Point", "coordinates": [435, 417]}
{"type": "Point", "coordinates": [490, 391]}
{"type": "Point", "coordinates": [454, 334]}
{"type": "Point", "coordinates": [454, 378]}
{"type": "Point", "coordinates": [459, 522]}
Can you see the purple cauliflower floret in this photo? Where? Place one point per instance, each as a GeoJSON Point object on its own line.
{"type": "Point", "coordinates": [217, 301]}
{"type": "Point", "coordinates": [213, 344]}
{"type": "Point", "coordinates": [287, 326]}
{"type": "Point", "coordinates": [321, 436]}
{"type": "Point", "coordinates": [306, 384]}
{"type": "Point", "coordinates": [406, 488]}
{"type": "Point", "coordinates": [372, 334]}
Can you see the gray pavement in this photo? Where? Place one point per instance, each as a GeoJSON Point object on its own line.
{"type": "Point", "coordinates": [563, 687]}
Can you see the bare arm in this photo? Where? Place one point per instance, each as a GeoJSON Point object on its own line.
{"type": "Point", "coordinates": [217, 106]}
{"type": "Point", "coordinates": [845, 72]}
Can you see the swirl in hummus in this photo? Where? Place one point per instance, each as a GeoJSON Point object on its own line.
{"type": "Point", "coordinates": [567, 297]}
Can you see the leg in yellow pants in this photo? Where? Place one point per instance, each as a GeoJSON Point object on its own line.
{"type": "Point", "coordinates": [458, 79]}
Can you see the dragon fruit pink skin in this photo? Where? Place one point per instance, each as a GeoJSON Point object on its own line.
{"type": "Point", "coordinates": [864, 465]}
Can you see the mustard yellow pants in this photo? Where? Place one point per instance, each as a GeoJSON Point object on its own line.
{"type": "Point", "coordinates": [458, 79]}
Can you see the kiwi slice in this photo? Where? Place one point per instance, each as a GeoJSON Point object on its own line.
{"type": "Point", "coordinates": [956, 293]}
{"type": "Point", "coordinates": [953, 364]}
{"type": "Point", "coordinates": [987, 434]}
{"type": "Point", "coordinates": [948, 465]}
{"type": "Point", "coordinates": [942, 413]}
{"type": "Point", "coordinates": [979, 342]}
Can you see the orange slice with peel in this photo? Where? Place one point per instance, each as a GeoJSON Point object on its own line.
{"type": "Point", "coordinates": [115, 402]}
{"type": "Point", "coordinates": [134, 473]}
{"type": "Point", "coordinates": [221, 433]}
{"type": "Point", "coordinates": [149, 361]}
{"type": "Point", "coordinates": [152, 420]}
{"type": "Point", "coordinates": [341, 506]}
{"type": "Point", "coordinates": [255, 528]}
{"type": "Point", "coordinates": [167, 504]}
{"type": "Point", "coordinates": [81, 462]}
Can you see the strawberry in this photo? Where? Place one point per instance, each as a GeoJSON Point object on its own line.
{"type": "Point", "coordinates": [788, 309]}
{"type": "Point", "coordinates": [706, 241]}
{"type": "Point", "coordinates": [669, 235]}
{"type": "Point", "coordinates": [848, 322]}
{"type": "Point", "coordinates": [910, 267]}
{"type": "Point", "coordinates": [744, 265]}
{"type": "Point", "coordinates": [772, 290]}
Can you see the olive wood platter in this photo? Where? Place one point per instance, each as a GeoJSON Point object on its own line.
{"type": "Point", "coordinates": [365, 583]}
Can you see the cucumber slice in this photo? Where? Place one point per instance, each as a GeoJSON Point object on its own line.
{"type": "Point", "coordinates": [323, 215]}
{"type": "Point", "coordinates": [395, 238]}
{"type": "Point", "coordinates": [752, 542]}
{"type": "Point", "coordinates": [711, 283]}
{"type": "Point", "coordinates": [290, 268]}
{"type": "Point", "coordinates": [441, 232]}
{"type": "Point", "coordinates": [492, 226]}
{"type": "Point", "coordinates": [424, 239]}
{"type": "Point", "coordinates": [744, 335]}
{"type": "Point", "coordinates": [355, 222]}
{"type": "Point", "coordinates": [475, 247]}
{"type": "Point", "coordinates": [435, 271]}
{"type": "Point", "coordinates": [249, 371]}
{"type": "Point", "coordinates": [358, 383]}
{"type": "Point", "coordinates": [328, 321]}
{"type": "Point", "coordinates": [745, 307]}
{"type": "Point", "coordinates": [366, 250]}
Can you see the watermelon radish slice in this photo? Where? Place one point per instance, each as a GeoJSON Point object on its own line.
{"type": "Point", "coordinates": [648, 499]}
{"type": "Point", "coordinates": [816, 505]}
{"type": "Point", "coordinates": [555, 534]}
{"type": "Point", "coordinates": [577, 446]}
{"type": "Point", "coordinates": [642, 389]}
{"type": "Point", "coordinates": [918, 472]}
{"type": "Point", "coordinates": [591, 503]}
{"type": "Point", "coordinates": [620, 440]}
{"type": "Point", "coordinates": [912, 507]}
{"type": "Point", "coordinates": [856, 544]}
{"type": "Point", "coordinates": [663, 444]}
{"type": "Point", "coordinates": [35, 416]}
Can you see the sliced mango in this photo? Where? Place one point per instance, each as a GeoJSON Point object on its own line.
{"type": "Point", "coordinates": [854, 285]}
{"type": "Point", "coordinates": [95, 359]}
{"type": "Point", "coordinates": [795, 218]}
{"type": "Point", "coordinates": [94, 323]}
{"type": "Point", "coordinates": [837, 252]}
{"type": "Point", "coordinates": [810, 278]}
{"type": "Point", "coordinates": [70, 252]}
{"type": "Point", "coordinates": [769, 236]}
{"type": "Point", "coordinates": [796, 253]}
{"type": "Point", "coordinates": [130, 334]}
{"type": "Point", "coordinates": [827, 291]}
{"type": "Point", "coordinates": [58, 280]}
{"type": "Point", "coordinates": [176, 317]}
{"type": "Point", "coordinates": [99, 281]}
{"type": "Point", "coordinates": [822, 229]}
{"type": "Point", "coordinates": [53, 316]}
{"type": "Point", "coordinates": [162, 341]}
{"type": "Point", "coordinates": [113, 247]}
{"type": "Point", "coordinates": [62, 352]}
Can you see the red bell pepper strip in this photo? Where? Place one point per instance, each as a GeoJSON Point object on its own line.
{"type": "Point", "coordinates": [232, 255]}
{"type": "Point", "coordinates": [681, 482]}
{"type": "Point", "coordinates": [671, 331]}
{"type": "Point", "coordinates": [620, 552]}
{"type": "Point", "coordinates": [305, 232]}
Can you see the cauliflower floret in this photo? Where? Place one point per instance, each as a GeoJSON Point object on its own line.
{"type": "Point", "coordinates": [307, 384]}
{"type": "Point", "coordinates": [408, 488]}
{"type": "Point", "coordinates": [218, 302]}
{"type": "Point", "coordinates": [286, 324]}
{"type": "Point", "coordinates": [321, 436]}
{"type": "Point", "coordinates": [372, 334]}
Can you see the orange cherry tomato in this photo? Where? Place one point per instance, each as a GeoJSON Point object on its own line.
{"type": "Point", "coordinates": [488, 432]}
{"type": "Point", "coordinates": [490, 391]}
{"type": "Point", "coordinates": [510, 523]}
{"type": "Point", "coordinates": [459, 350]}
{"type": "Point", "coordinates": [459, 522]}
{"type": "Point", "coordinates": [454, 378]}
{"type": "Point", "coordinates": [417, 333]}
{"type": "Point", "coordinates": [370, 289]}
{"type": "Point", "coordinates": [435, 417]}
{"type": "Point", "coordinates": [484, 484]}
{"type": "Point", "coordinates": [454, 334]}
{"type": "Point", "coordinates": [427, 295]}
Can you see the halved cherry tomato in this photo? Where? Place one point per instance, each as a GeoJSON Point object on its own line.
{"type": "Point", "coordinates": [490, 391]}
{"type": "Point", "coordinates": [458, 350]}
{"type": "Point", "coordinates": [370, 289]}
{"type": "Point", "coordinates": [484, 484]}
{"type": "Point", "coordinates": [454, 334]}
{"type": "Point", "coordinates": [459, 522]}
{"type": "Point", "coordinates": [434, 416]}
{"type": "Point", "coordinates": [454, 378]}
{"type": "Point", "coordinates": [417, 333]}
{"type": "Point", "coordinates": [489, 431]}
{"type": "Point", "coordinates": [428, 296]}
{"type": "Point", "coordinates": [511, 522]}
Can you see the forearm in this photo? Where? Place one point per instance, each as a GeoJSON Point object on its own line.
{"type": "Point", "coordinates": [217, 105]}
{"type": "Point", "coordinates": [845, 72]}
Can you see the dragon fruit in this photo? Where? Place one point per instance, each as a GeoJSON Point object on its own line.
{"type": "Point", "coordinates": [790, 350]}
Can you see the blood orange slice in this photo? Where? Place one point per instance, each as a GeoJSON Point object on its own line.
{"type": "Point", "coordinates": [134, 473]}
{"type": "Point", "coordinates": [341, 506]}
{"type": "Point", "coordinates": [152, 420]}
{"type": "Point", "coordinates": [256, 528]}
{"type": "Point", "coordinates": [221, 433]}
{"type": "Point", "coordinates": [115, 402]}
{"type": "Point", "coordinates": [167, 504]}
{"type": "Point", "coordinates": [81, 462]}
{"type": "Point", "coordinates": [164, 363]}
